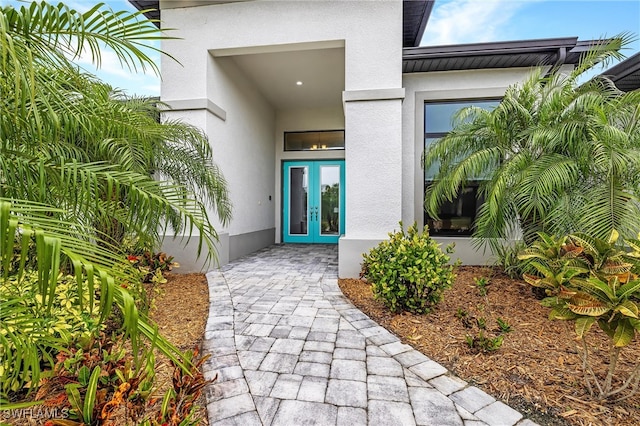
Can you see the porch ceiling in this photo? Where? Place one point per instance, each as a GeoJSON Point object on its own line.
{"type": "Point", "coordinates": [276, 74]}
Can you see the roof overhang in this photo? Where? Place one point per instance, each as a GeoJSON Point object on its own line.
{"type": "Point", "coordinates": [509, 54]}
{"type": "Point", "coordinates": [626, 75]}
{"type": "Point", "coordinates": [415, 14]}
{"type": "Point", "coordinates": [152, 8]}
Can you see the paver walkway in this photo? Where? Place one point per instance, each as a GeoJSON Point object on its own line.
{"type": "Point", "coordinates": [289, 349]}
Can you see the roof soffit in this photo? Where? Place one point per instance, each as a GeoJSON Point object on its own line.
{"type": "Point", "coordinates": [626, 74]}
{"type": "Point", "coordinates": [508, 54]}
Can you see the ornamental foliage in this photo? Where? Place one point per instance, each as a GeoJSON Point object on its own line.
{"type": "Point", "coordinates": [592, 281]}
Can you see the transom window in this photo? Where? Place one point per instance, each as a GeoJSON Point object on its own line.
{"type": "Point", "coordinates": [455, 217]}
{"type": "Point", "coordinates": [323, 140]}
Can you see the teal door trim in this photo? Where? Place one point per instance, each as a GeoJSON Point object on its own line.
{"type": "Point", "coordinates": [303, 194]}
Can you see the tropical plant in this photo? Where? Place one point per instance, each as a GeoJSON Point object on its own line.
{"type": "Point", "coordinates": [507, 259]}
{"type": "Point", "coordinates": [78, 161]}
{"type": "Point", "coordinates": [483, 343]}
{"type": "Point", "coordinates": [71, 141]}
{"type": "Point", "coordinates": [605, 291]}
{"type": "Point", "coordinates": [481, 283]}
{"type": "Point", "coordinates": [83, 407]}
{"type": "Point", "coordinates": [554, 156]}
{"type": "Point", "coordinates": [27, 327]}
{"type": "Point", "coordinates": [504, 326]}
{"type": "Point", "coordinates": [96, 385]}
{"type": "Point", "coordinates": [153, 265]}
{"type": "Point", "coordinates": [408, 271]}
{"type": "Point", "coordinates": [179, 402]}
{"type": "Point", "coordinates": [551, 262]}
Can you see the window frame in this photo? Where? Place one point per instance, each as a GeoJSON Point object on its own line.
{"type": "Point", "coordinates": [461, 232]}
{"type": "Point", "coordinates": [317, 149]}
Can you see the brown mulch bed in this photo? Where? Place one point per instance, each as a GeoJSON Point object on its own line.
{"type": "Point", "coordinates": [537, 370]}
{"type": "Point", "coordinates": [180, 310]}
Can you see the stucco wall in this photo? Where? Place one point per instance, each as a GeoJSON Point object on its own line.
{"type": "Point", "coordinates": [372, 31]}
{"type": "Point", "coordinates": [246, 131]}
{"type": "Point", "coordinates": [242, 141]}
{"type": "Point", "coordinates": [243, 144]}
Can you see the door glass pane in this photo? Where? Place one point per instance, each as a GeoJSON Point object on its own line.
{"type": "Point", "coordinates": [329, 200]}
{"type": "Point", "coordinates": [298, 195]}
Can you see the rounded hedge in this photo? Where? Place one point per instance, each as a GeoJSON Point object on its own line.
{"type": "Point", "coordinates": [408, 272]}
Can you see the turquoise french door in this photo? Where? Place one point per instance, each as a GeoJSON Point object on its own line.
{"type": "Point", "coordinates": [313, 201]}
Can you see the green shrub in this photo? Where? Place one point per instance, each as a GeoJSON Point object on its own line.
{"type": "Point", "coordinates": [153, 265]}
{"type": "Point", "coordinates": [408, 272]}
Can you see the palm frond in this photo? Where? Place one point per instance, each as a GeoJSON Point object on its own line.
{"type": "Point", "coordinates": [565, 157]}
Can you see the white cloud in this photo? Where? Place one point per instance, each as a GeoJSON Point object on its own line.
{"type": "Point", "coordinates": [469, 21]}
{"type": "Point", "coordinates": [80, 6]}
{"type": "Point", "coordinates": [151, 89]}
{"type": "Point", "coordinates": [110, 64]}
{"type": "Point", "coordinates": [111, 71]}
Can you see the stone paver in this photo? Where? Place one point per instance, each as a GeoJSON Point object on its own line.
{"type": "Point", "coordinates": [305, 413]}
{"type": "Point", "coordinates": [499, 410]}
{"type": "Point", "coordinates": [348, 393]}
{"type": "Point", "coordinates": [288, 348]}
{"type": "Point", "coordinates": [433, 408]}
{"type": "Point", "coordinates": [313, 389]}
{"type": "Point", "coordinates": [349, 416]}
{"type": "Point", "coordinates": [387, 388]}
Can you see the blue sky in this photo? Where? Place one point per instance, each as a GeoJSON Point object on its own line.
{"type": "Point", "coordinates": [452, 22]}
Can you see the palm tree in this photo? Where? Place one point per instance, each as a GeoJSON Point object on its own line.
{"type": "Point", "coordinates": [81, 165]}
{"type": "Point", "coordinates": [554, 156]}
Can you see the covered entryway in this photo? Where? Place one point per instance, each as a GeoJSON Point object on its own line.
{"type": "Point", "coordinates": [253, 72]}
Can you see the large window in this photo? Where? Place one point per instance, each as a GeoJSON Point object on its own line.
{"type": "Point", "coordinates": [456, 217]}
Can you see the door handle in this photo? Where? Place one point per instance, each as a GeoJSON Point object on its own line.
{"type": "Point", "coordinates": [316, 212]}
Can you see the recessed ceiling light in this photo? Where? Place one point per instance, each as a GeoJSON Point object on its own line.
{"type": "Point", "coordinates": [299, 83]}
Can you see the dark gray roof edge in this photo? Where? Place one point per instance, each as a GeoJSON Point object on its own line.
{"type": "Point", "coordinates": [423, 22]}
{"type": "Point", "coordinates": [500, 47]}
{"type": "Point", "coordinates": [623, 69]}
{"type": "Point", "coordinates": [151, 6]}
{"type": "Point", "coordinates": [490, 55]}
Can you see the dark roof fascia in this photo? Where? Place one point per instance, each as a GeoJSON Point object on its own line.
{"type": "Point", "coordinates": [624, 68]}
{"type": "Point", "coordinates": [151, 6]}
{"type": "Point", "coordinates": [423, 23]}
{"type": "Point", "coordinates": [626, 74]}
{"type": "Point", "coordinates": [415, 15]}
{"type": "Point", "coordinates": [481, 49]}
{"type": "Point", "coordinates": [508, 54]}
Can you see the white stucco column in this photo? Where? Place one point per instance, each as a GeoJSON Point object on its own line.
{"type": "Point", "coordinates": [373, 143]}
